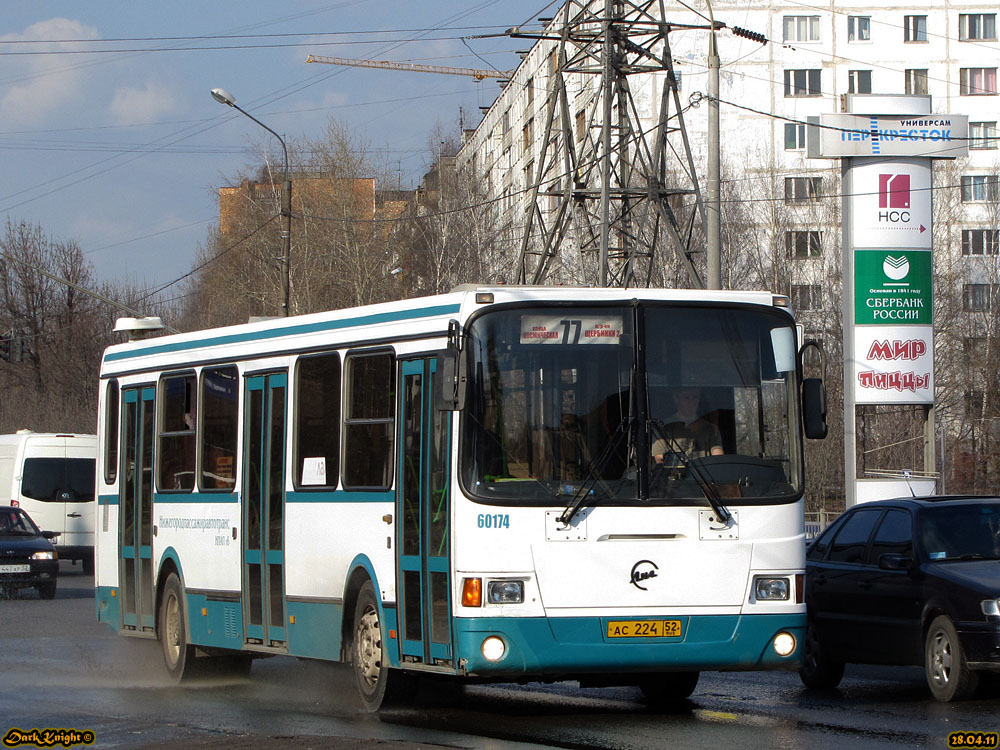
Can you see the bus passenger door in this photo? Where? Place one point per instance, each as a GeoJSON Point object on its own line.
{"type": "Point", "coordinates": [136, 512]}
{"type": "Point", "coordinates": [264, 510]}
{"type": "Point", "coordinates": [422, 507]}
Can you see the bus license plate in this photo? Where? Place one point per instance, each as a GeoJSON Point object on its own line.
{"type": "Point", "coordinates": [15, 568]}
{"type": "Point", "coordinates": [644, 629]}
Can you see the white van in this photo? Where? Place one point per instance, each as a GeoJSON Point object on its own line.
{"type": "Point", "coordinates": [52, 476]}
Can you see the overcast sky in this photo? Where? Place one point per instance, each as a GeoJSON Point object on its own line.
{"type": "Point", "coordinates": [109, 136]}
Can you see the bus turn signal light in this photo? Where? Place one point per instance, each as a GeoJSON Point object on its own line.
{"type": "Point", "coordinates": [472, 592]}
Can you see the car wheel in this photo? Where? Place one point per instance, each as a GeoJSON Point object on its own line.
{"type": "Point", "coordinates": [666, 688]}
{"type": "Point", "coordinates": [378, 685]}
{"type": "Point", "coordinates": [819, 670]}
{"type": "Point", "coordinates": [178, 654]}
{"type": "Point", "coordinates": [947, 671]}
{"type": "Point", "coordinates": [47, 590]}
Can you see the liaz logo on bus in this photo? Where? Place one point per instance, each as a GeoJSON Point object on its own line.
{"type": "Point", "coordinates": [643, 571]}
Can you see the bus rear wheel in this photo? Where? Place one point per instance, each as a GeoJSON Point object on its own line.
{"type": "Point", "coordinates": [378, 685]}
{"type": "Point", "coordinates": [178, 654]}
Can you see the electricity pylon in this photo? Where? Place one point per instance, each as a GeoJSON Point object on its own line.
{"type": "Point", "coordinates": [604, 192]}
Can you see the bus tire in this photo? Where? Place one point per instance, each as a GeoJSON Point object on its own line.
{"type": "Point", "coordinates": [819, 670]}
{"type": "Point", "coordinates": [665, 688]}
{"type": "Point", "coordinates": [379, 686]}
{"type": "Point", "coordinates": [947, 671]}
{"type": "Point", "coordinates": [178, 654]}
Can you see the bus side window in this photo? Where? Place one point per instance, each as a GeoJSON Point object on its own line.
{"type": "Point", "coordinates": [317, 421]}
{"type": "Point", "coordinates": [175, 457]}
{"type": "Point", "coordinates": [220, 417]}
{"type": "Point", "coordinates": [112, 404]}
{"type": "Point", "coordinates": [369, 420]}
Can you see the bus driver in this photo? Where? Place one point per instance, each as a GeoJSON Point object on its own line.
{"type": "Point", "coordinates": [686, 432]}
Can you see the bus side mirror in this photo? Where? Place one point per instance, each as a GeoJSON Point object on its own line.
{"type": "Point", "coordinates": [814, 408]}
{"type": "Point", "coordinates": [450, 393]}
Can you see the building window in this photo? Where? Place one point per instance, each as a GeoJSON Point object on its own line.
{"type": "Point", "coordinates": [528, 136]}
{"type": "Point", "coordinates": [807, 297]}
{"type": "Point", "coordinates": [859, 28]}
{"type": "Point", "coordinates": [859, 82]}
{"type": "Point", "coordinates": [978, 188]}
{"type": "Point", "coordinates": [529, 90]}
{"type": "Point", "coordinates": [980, 242]}
{"type": "Point", "coordinates": [974, 406]}
{"type": "Point", "coordinates": [795, 136]}
{"type": "Point", "coordinates": [581, 125]}
{"type": "Point", "coordinates": [977, 81]}
{"type": "Point", "coordinates": [804, 244]}
{"type": "Point", "coordinates": [983, 135]}
{"type": "Point", "coordinates": [914, 28]}
{"type": "Point", "coordinates": [977, 27]}
{"type": "Point", "coordinates": [916, 81]}
{"type": "Point", "coordinates": [803, 189]}
{"type": "Point", "coordinates": [973, 347]}
{"type": "Point", "coordinates": [978, 297]}
{"type": "Point", "coordinates": [802, 82]}
{"type": "Point", "coordinates": [529, 174]}
{"type": "Point", "coordinates": [801, 29]}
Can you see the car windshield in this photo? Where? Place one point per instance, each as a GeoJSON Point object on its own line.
{"type": "Point", "coordinates": [961, 532]}
{"type": "Point", "coordinates": [15, 522]}
{"type": "Point", "coordinates": [651, 401]}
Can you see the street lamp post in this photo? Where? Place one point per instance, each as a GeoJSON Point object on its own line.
{"type": "Point", "coordinates": [224, 97]}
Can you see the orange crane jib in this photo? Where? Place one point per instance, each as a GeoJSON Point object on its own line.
{"type": "Point", "coordinates": [479, 75]}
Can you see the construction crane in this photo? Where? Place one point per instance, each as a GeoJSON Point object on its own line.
{"type": "Point", "coordinates": [479, 75]}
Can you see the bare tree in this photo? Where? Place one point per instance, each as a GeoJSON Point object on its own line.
{"type": "Point", "coordinates": [56, 332]}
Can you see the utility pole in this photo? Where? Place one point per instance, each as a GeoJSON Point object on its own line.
{"type": "Point", "coordinates": [713, 227]}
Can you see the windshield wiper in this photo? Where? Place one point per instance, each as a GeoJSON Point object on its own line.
{"type": "Point", "coordinates": [972, 556]}
{"type": "Point", "coordinates": [18, 532]}
{"type": "Point", "coordinates": [593, 472]}
{"type": "Point", "coordinates": [708, 488]}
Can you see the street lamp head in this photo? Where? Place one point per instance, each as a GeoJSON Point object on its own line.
{"type": "Point", "coordinates": [224, 97]}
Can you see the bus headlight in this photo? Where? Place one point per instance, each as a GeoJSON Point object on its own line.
{"type": "Point", "coordinates": [505, 592]}
{"type": "Point", "coordinates": [771, 589]}
{"type": "Point", "coordinates": [784, 644]}
{"type": "Point", "coordinates": [493, 648]}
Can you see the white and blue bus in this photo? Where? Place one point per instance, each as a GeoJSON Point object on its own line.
{"type": "Point", "coordinates": [493, 484]}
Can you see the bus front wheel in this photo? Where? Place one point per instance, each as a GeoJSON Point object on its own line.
{"type": "Point", "coordinates": [178, 654]}
{"type": "Point", "coordinates": [667, 688]}
{"type": "Point", "coordinates": [378, 685]}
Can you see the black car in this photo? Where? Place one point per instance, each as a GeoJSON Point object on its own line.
{"type": "Point", "coordinates": [907, 581]}
{"type": "Point", "coordinates": [27, 557]}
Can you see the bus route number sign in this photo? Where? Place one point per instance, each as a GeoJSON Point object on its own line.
{"type": "Point", "coordinates": [556, 329]}
{"type": "Point", "coordinates": [644, 629]}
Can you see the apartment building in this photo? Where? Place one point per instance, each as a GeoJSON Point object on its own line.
{"type": "Point", "coordinates": [813, 56]}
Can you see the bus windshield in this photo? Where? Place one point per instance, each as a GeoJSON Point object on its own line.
{"type": "Point", "coordinates": [663, 402]}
